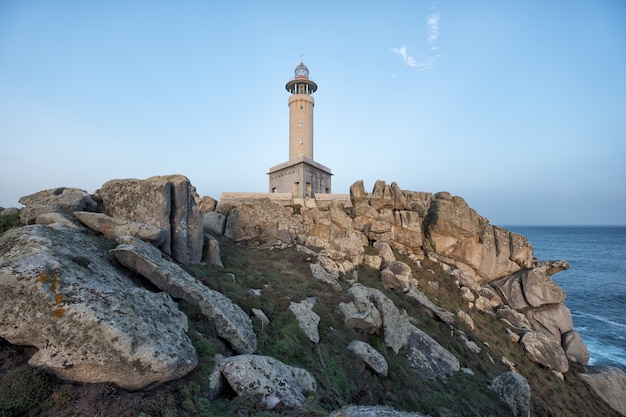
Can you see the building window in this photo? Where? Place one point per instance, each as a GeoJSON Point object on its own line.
{"type": "Point", "coordinates": [301, 107]}
{"type": "Point", "coordinates": [301, 124]}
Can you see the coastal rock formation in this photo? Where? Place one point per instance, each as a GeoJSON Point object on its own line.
{"type": "Point", "coordinates": [60, 292]}
{"type": "Point", "coordinates": [97, 312]}
{"type": "Point", "coordinates": [458, 232]}
{"type": "Point", "coordinates": [407, 221]}
{"type": "Point", "coordinates": [425, 356]}
{"type": "Point", "coordinates": [609, 383]}
{"type": "Point", "coordinates": [545, 351]}
{"type": "Point", "coordinates": [166, 202]}
{"type": "Point", "coordinates": [536, 302]}
{"type": "Point", "coordinates": [231, 322]}
{"type": "Point", "coordinates": [275, 382]}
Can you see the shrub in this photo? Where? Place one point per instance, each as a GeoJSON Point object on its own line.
{"type": "Point", "coordinates": [21, 390]}
{"type": "Point", "coordinates": [8, 221]}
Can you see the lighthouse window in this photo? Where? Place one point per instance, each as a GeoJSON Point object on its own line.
{"type": "Point", "coordinates": [301, 124]}
{"type": "Point", "coordinates": [301, 107]}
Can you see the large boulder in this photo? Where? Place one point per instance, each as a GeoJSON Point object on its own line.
{"type": "Point", "coordinates": [395, 323]}
{"type": "Point", "coordinates": [373, 358]}
{"type": "Point", "coordinates": [112, 228]}
{"type": "Point", "coordinates": [609, 383]}
{"type": "Point", "coordinates": [230, 321]}
{"type": "Point", "coordinates": [321, 274]}
{"type": "Point", "coordinates": [164, 201]}
{"type": "Point", "coordinates": [308, 320]}
{"type": "Point", "coordinates": [529, 288]}
{"type": "Point", "coordinates": [361, 316]}
{"type": "Point", "coordinates": [397, 276]}
{"type": "Point", "coordinates": [62, 199]}
{"type": "Point", "coordinates": [513, 389]}
{"type": "Point", "coordinates": [456, 231]}
{"type": "Point", "coordinates": [214, 222]}
{"type": "Point", "coordinates": [406, 229]}
{"type": "Point", "coordinates": [259, 221]}
{"type": "Point", "coordinates": [443, 314]}
{"type": "Point", "coordinates": [381, 196]}
{"type": "Point", "coordinates": [270, 379]}
{"type": "Point", "coordinates": [575, 347]}
{"type": "Point", "coordinates": [545, 351]}
{"type": "Point", "coordinates": [61, 293]}
{"type": "Point", "coordinates": [212, 254]}
{"type": "Point", "coordinates": [427, 358]}
{"type": "Point", "coordinates": [553, 320]}
{"type": "Point", "coordinates": [424, 355]}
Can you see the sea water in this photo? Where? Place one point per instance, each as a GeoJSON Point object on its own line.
{"type": "Point", "coordinates": [595, 283]}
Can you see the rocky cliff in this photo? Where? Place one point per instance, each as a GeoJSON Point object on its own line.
{"type": "Point", "coordinates": [403, 302]}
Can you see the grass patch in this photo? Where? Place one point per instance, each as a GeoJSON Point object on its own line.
{"type": "Point", "coordinates": [22, 391]}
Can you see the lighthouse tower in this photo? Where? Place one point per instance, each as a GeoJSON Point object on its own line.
{"type": "Point", "coordinates": [300, 175]}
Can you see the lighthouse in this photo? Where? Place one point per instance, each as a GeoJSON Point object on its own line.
{"type": "Point", "coordinates": [300, 175]}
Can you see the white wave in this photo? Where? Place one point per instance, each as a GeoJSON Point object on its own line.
{"type": "Point", "coordinates": [601, 354]}
{"type": "Point", "coordinates": [600, 318]}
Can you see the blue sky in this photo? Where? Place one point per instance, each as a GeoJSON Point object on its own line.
{"type": "Point", "coordinates": [518, 107]}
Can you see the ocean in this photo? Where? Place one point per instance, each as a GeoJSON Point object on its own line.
{"type": "Point", "coordinates": [595, 283]}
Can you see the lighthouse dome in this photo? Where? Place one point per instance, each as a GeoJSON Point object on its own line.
{"type": "Point", "coordinates": [302, 71]}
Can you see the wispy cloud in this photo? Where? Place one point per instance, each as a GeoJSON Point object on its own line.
{"type": "Point", "coordinates": [419, 60]}
{"type": "Point", "coordinates": [432, 23]}
{"type": "Point", "coordinates": [402, 51]}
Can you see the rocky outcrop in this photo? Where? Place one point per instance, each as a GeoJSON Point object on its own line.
{"type": "Point", "coordinates": [62, 200]}
{"type": "Point", "coordinates": [545, 351]}
{"type": "Point", "coordinates": [534, 301]}
{"type": "Point", "coordinates": [275, 382]}
{"type": "Point", "coordinates": [513, 389]}
{"type": "Point", "coordinates": [259, 221]}
{"type": "Point", "coordinates": [60, 292]}
{"type": "Point", "coordinates": [308, 320]}
{"type": "Point", "coordinates": [230, 321]}
{"type": "Point", "coordinates": [363, 316]}
{"type": "Point", "coordinates": [530, 288]}
{"type": "Point", "coordinates": [427, 358]}
{"type": "Point", "coordinates": [575, 347]}
{"type": "Point", "coordinates": [411, 222]}
{"type": "Point", "coordinates": [214, 222]}
{"type": "Point", "coordinates": [389, 229]}
{"type": "Point", "coordinates": [373, 358]}
{"type": "Point", "coordinates": [417, 295]}
{"type": "Point", "coordinates": [166, 202]}
{"type": "Point", "coordinates": [424, 355]}
{"type": "Point", "coordinates": [456, 231]}
{"type": "Point", "coordinates": [609, 383]}
{"type": "Point", "coordinates": [211, 253]}
{"type": "Point", "coordinates": [321, 274]}
{"type": "Point", "coordinates": [112, 228]}
{"type": "Point", "coordinates": [397, 276]}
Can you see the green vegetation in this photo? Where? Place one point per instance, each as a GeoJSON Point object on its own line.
{"type": "Point", "coordinates": [22, 390]}
{"type": "Point", "coordinates": [8, 221]}
{"type": "Point", "coordinates": [283, 276]}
